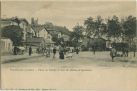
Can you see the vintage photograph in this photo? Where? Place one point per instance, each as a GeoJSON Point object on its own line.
{"type": "Point", "coordinates": [68, 45]}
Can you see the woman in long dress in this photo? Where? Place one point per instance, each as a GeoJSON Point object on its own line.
{"type": "Point", "coordinates": [61, 53]}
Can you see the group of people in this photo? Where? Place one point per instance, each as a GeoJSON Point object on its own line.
{"type": "Point", "coordinates": [125, 52]}
{"type": "Point", "coordinates": [18, 51]}
{"type": "Point", "coordinates": [113, 52]}
{"type": "Point", "coordinates": [68, 52]}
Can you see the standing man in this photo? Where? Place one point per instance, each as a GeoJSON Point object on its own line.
{"type": "Point", "coordinates": [15, 50]}
{"type": "Point", "coordinates": [54, 52]}
{"type": "Point", "coordinates": [113, 53]}
{"type": "Point", "coordinates": [48, 51]}
{"type": "Point", "coordinates": [127, 52]}
{"type": "Point", "coordinates": [134, 49]}
{"type": "Point", "coordinates": [61, 53]}
{"type": "Point", "coordinates": [77, 51]}
{"type": "Point", "coordinates": [94, 49]}
{"type": "Point", "coordinates": [30, 51]}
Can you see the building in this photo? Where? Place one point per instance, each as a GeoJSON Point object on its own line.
{"type": "Point", "coordinates": [38, 36]}
{"type": "Point", "coordinates": [65, 37]}
{"type": "Point", "coordinates": [7, 22]}
{"type": "Point", "coordinates": [59, 35]}
{"type": "Point", "coordinates": [30, 33]}
{"type": "Point", "coordinates": [21, 22]}
{"type": "Point", "coordinates": [41, 31]}
{"type": "Point", "coordinates": [6, 45]}
{"type": "Point", "coordinates": [99, 43]}
{"type": "Point", "coordinates": [35, 43]}
{"type": "Point", "coordinates": [24, 25]}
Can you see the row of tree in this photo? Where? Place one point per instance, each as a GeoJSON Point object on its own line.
{"type": "Point", "coordinates": [111, 27]}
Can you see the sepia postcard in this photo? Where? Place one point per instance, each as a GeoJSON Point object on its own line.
{"type": "Point", "coordinates": [68, 45]}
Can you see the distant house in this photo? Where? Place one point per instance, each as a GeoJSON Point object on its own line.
{"type": "Point", "coordinates": [65, 37]}
{"type": "Point", "coordinates": [38, 36]}
{"type": "Point", "coordinates": [6, 45]}
{"type": "Point", "coordinates": [41, 31]}
{"type": "Point", "coordinates": [59, 35]}
{"type": "Point", "coordinates": [100, 43]}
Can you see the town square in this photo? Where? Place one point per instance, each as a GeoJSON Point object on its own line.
{"type": "Point", "coordinates": [50, 45]}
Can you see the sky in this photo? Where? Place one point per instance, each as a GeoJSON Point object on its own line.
{"type": "Point", "coordinates": [66, 13]}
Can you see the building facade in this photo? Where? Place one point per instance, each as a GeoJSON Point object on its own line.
{"type": "Point", "coordinates": [6, 45]}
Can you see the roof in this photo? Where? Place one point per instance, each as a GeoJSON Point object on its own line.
{"type": "Point", "coordinates": [5, 39]}
{"type": "Point", "coordinates": [39, 40]}
{"type": "Point", "coordinates": [23, 19]}
{"type": "Point", "coordinates": [35, 40]}
{"type": "Point", "coordinates": [49, 29]}
{"type": "Point", "coordinates": [29, 28]}
{"type": "Point", "coordinates": [8, 20]}
{"type": "Point", "coordinates": [38, 28]}
{"type": "Point", "coordinates": [13, 19]}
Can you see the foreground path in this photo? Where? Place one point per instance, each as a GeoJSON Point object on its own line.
{"type": "Point", "coordinates": [84, 59]}
{"type": "Point", "coordinates": [83, 71]}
